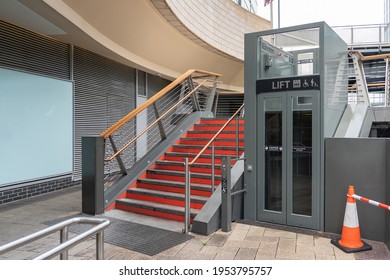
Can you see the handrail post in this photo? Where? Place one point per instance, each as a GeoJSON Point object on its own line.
{"type": "Point", "coordinates": [352, 35]}
{"type": "Point", "coordinates": [64, 233]}
{"type": "Point", "coordinates": [100, 245]}
{"type": "Point", "coordinates": [212, 167]}
{"type": "Point", "coordinates": [237, 138]}
{"type": "Point", "coordinates": [187, 210]}
{"type": "Point", "coordinates": [226, 207]}
{"type": "Point", "coordinates": [387, 101]}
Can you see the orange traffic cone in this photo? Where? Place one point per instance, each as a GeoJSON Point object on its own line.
{"type": "Point", "coordinates": [350, 241]}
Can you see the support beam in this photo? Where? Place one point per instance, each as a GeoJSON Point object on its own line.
{"type": "Point", "coordinates": [160, 124]}
{"type": "Point", "coordinates": [118, 157]}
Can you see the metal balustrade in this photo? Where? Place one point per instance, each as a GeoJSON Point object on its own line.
{"type": "Point", "coordinates": [369, 76]}
{"type": "Point", "coordinates": [188, 164]}
{"type": "Point", "coordinates": [144, 128]}
{"type": "Point", "coordinates": [363, 35]}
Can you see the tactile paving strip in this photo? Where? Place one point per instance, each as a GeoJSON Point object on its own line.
{"type": "Point", "coordinates": [136, 237]}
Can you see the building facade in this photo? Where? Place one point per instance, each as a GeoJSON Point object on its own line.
{"type": "Point", "coordinates": [78, 75]}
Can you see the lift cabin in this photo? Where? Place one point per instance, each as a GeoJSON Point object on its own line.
{"type": "Point", "coordinates": [296, 82]}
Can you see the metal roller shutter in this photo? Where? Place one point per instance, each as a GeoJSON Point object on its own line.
{"type": "Point", "coordinates": [24, 50]}
{"type": "Point", "coordinates": [104, 93]}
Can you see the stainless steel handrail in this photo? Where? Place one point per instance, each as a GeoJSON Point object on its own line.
{"type": "Point", "coordinates": [65, 244]}
{"type": "Point", "coordinates": [359, 35]}
{"type": "Point", "coordinates": [187, 164]}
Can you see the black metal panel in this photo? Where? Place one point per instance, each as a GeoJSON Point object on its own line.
{"type": "Point", "coordinates": [311, 82]}
{"type": "Point", "coordinates": [92, 177]}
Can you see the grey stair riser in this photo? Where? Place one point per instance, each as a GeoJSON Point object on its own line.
{"type": "Point", "coordinates": [166, 199]}
{"type": "Point", "coordinates": [195, 190]}
{"type": "Point", "coordinates": [155, 207]}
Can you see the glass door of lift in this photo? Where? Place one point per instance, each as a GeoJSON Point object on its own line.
{"type": "Point", "coordinates": [289, 158]}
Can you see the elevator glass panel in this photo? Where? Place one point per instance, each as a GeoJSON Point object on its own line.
{"type": "Point", "coordinates": [302, 160]}
{"type": "Point", "coordinates": [273, 153]}
{"type": "Point", "coordinates": [289, 158]}
{"type": "Point", "coordinates": [273, 158]}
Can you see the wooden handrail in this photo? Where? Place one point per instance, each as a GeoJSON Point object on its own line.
{"type": "Point", "coordinates": [156, 121]}
{"type": "Point", "coordinates": [371, 57]}
{"type": "Point", "coordinates": [153, 99]}
{"type": "Point", "coordinates": [216, 135]}
{"type": "Point", "coordinates": [368, 85]}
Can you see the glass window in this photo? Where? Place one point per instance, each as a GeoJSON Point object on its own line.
{"type": "Point", "coordinates": [36, 127]}
{"type": "Point", "coordinates": [289, 54]}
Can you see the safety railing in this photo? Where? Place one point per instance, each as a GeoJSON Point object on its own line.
{"type": "Point", "coordinates": [65, 243]}
{"type": "Point", "coordinates": [370, 201]}
{"type": "Point", "coordinates": [369, 76]}
{"type": "Point", "coordinates": [144, 128]}
{"type": "Point", "coordinates": [226, 192]}
{"type": "Point", "coordinates": [358, 35]}
{"type": "Point", "coordinates": [210, 144]}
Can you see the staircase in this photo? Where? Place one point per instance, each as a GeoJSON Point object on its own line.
{"type": "Point", "coordinates": [159, 192]}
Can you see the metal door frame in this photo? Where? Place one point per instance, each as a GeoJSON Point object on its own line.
{"type": "Point", "coordinates": [286, 217]}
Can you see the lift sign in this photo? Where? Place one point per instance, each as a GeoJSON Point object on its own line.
{"type": "Point", "coordinates": [284, 84]}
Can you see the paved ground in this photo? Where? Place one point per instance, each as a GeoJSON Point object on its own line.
{"type": "Point", "coordinates": [246, 241]}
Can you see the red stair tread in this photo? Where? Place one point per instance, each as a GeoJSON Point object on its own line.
{"type": "Point", "coordinates": [159, 192]}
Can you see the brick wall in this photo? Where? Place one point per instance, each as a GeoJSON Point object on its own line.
{"type": "Point", "coordinates": [18, 193]}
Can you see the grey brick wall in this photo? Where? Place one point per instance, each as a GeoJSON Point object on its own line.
{"type": "Point", "coordinates": [18, 193]}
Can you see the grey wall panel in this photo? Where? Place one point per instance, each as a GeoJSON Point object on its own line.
{"type": "Point", "coordinates": [104, 93]}
{"type": "Point", "coordinates": [387, 193]}
{"type": "Point", "coordinates": [155, 84]}
{"type": "Point", "coordinates": [104, 90]}
{"type": "Point", "coordinates": [361, 162]}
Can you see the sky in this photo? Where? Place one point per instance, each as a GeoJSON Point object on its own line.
{"type": "Point", "coordinates": [333, 12]}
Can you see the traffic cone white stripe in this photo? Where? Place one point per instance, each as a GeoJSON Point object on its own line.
{"type": "Point", "coordinates": [351, 219]}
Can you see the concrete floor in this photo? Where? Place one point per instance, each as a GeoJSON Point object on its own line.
{"type": "Point", "coordinates": [246, 241]}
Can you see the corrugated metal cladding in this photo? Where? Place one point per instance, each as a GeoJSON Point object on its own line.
{"type": "Point", "coordinates": [104, 89]}
{"type": "Point", "coordinates": [104, 93]}
{"type": "Point", "coordinates": [24, 50]}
